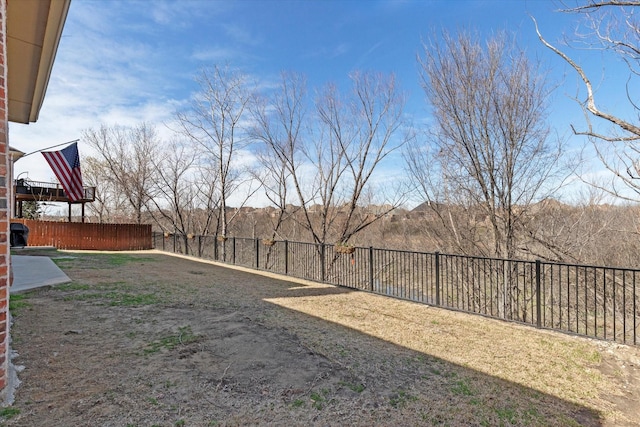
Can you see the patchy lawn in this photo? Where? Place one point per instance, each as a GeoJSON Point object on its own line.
{"type": "Point", "coordinates": [148, 339]}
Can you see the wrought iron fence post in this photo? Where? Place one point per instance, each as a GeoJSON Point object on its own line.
{"type": "Point", "coordinates": [371, 288]}
{"type": "Point", "coordinates": [322, 263]}
{"type": "Point", "coordinates": [215, 247]}
{"type": "Point", "coordinates": [437, 260]}
{"type": "Point", "coordinates": [233, 250]}
{"type": "Point", "coordinates": [163, 239]}
{"type": "Point", "coordinates": [199, 246]}
{"type": "Point", "coordinates": [224, 249]}
{"type": "Point", "coordinates": [257, 246]}
{"type": "Point", "coordinates": [174, 243]}
{"type": "Point", "coordinates": [538, 296]}
{"type": "Point", "coordinates": [286, 257]}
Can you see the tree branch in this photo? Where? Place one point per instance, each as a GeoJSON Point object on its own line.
{"type": "Point", "coordinates": [590, 102]}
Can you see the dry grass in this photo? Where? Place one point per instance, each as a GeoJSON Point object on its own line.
{"type": "Point", "coordinates": [221, 346]}
{"type": "Point", "coordinates": [557, 364]}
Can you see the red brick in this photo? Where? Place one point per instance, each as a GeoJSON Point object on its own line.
{"type": "Point", "coordinates": [4, 327]}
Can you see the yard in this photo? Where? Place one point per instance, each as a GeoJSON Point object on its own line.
{"type": "Point", "coordinates": [148, 339]}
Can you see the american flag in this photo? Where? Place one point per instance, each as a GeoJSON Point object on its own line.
{"type": "Point", "coordinates": [66, 166]}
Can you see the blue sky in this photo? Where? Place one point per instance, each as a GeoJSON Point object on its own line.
{"type": "Point", "coordinates": [124, 62]}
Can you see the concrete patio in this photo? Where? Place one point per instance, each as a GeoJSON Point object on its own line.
{"type": "Point", "coordinates": [30, 272]}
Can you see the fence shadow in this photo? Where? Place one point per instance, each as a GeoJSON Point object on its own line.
{"type": "Point", "coordinates": [413, 353]}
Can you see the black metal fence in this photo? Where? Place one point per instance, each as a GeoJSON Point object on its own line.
{"type": "Point", "coordinates": [595, 301]}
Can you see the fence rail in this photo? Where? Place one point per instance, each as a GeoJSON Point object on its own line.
{"type": "Point", "coordinates": [594, 301]}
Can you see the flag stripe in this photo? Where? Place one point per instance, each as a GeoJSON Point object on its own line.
{"type": "Point", "coordinates": [66, 167]}
{"type": "Point", "coordinates": [65, 175]}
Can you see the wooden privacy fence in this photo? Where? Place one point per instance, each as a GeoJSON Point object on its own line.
{"type": "Point", "coordinates": [76, 235]}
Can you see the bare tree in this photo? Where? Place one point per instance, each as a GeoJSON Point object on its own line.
{"type": "Point", "coordinates": [354, 136]}
{"type": "Point", "coordinates": [127, 153]}
{"type": "Point", "coordinates": [489, 155]}
{"type": "Point", "coordinates": [612, 28]}
{"type": "Point", "coordinates": [327, 158]}
{"type": "Point", "coordinates": [279, 127]}
{"type": "Point", "coordinates": [184, 203]}
{"type": "Point", "coordinates": [109, 205]}
{"type": "Point", "coordinates": [216, 123]}
{"type": "Point", "coordinates": [175, 191]}
{"type": "Point", "coordinates": [207, 200]}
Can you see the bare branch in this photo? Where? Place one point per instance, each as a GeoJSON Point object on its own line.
{"type": "Point", "coordinates": [598, 4]}
{"type": "Point", "coordinates": [326, 161]}
{"type": "Point", "coordinates": [590, 102]}
{"type": "Point", "coordinates": [489, 155]}
{"type": "Point", "coordinates": [215, 122]}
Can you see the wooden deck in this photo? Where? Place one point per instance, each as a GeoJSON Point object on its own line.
{"type": "Point", "coordinates": [47, 192]}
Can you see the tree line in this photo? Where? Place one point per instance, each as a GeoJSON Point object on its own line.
{"type": "Point", "coordinates": [484, 165]}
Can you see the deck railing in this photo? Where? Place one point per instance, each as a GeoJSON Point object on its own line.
{"type": "Point", "coordinates": [594, 301]}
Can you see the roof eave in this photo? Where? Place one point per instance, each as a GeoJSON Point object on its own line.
{"type": "Point", "coordinates": [25, 106]}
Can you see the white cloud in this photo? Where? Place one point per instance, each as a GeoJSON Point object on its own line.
{"type": "Point", "coordinates": [105, 72]}
{"type": "Point", "coordinates": [241, 35]}
{"type": "Point", "coordinates": [340, 50]}
{"type": "Point", "coordinates": [213, 54]}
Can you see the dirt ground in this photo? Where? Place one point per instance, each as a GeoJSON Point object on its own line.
{"type": "Point", "coordinates": [149, 339]}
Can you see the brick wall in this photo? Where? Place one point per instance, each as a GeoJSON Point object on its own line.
{"type": "Point", "coordinates": [4, 221]}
